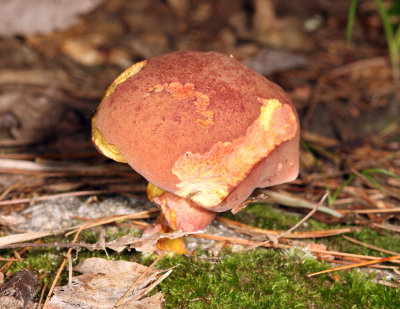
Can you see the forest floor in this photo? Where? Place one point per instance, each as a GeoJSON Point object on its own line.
{"type": "Point", "coordinates": [59, 197]}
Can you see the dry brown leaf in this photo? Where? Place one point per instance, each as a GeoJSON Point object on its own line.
{"type": "Point", "coordinates": [104, 282]}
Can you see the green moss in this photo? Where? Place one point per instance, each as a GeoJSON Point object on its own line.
{"type": "Point", "coordinates": [256, 279]}
{"type": "Point", "coordinates": [268, 279]}
{"type": "Point", "coordinates": [386, 240]}
{"type": "Point", "coordinates": [265, 216]}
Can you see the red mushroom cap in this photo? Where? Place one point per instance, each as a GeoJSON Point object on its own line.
{"type": "Point", "coordinates": [200, 125]}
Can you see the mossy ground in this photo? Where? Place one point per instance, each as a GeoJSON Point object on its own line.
{"type": "Point", "coordinates": [261, 278]}
{"type": "Point", "coordinates": [269, 279]}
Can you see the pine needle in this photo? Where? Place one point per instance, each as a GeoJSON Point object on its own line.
{"type": "Point", "coordinates": [395, 257]}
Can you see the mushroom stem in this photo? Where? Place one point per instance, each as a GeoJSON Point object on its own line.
{"type": "Point", "coordinates": [179, 213]}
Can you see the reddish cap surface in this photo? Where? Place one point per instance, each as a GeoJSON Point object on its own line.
{"type": "Point", "coordinates": [200, 125]}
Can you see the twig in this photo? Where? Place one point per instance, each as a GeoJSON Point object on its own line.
{"type": "Point", "coordinates": [18, 256]}
{"type": "Point", "coordinates": [105, 220]}
{"type": "Point", "coordinates": [347, 255]}
{"type": "Point", "coordinates": [54, 196]}
{"type": "Point", "coordinates": [151, 286]}
{"type": "Point", "coordinates": [30, 167]}
{"type": "Point", "coordinates": [13, 186]}
{"type": "Point", "coordinates": [10, 259]}
{"type": "Point", "coordinates": [369, 246]}
{"type": "Point", "coordinates": [372, 211]}
{"type": "Point", "coordinates": [41, 296]}
{"type": "Point", "coordinates": [233, 240]}
{"type": "Point", "coordinates": [390, 227]}
{"type": "Point", "coordinates": [321, 202]}
{"type": "Point", "coordinates": [275, 239]}
{"type": "Point", "coordinates": [244, 228]}
{"type": "Point", "coordinates": [89, 247]}
{"type": "Point", "coordinates": [8, 264]}
{"type": "Point", "coordinates": [18, 142]}
{"type": "Point", "coordinates": [389, 284]}
{"type": "Point", "coordinates": [292, 201]}
{"type": "Point", "coordinates": [348, 262]}
{"type": "Point", "coordinates": [246, 242]}
{"type": "Point", "coordinates": [33, 156]}
{"type": "Point", "coordinates": [60, 270]}
{"type": "Point", "coordinates": [355, 265]}
{"type": "Point", "coordinates": [69, 269]}
{"type": "Point", "coordinates": [15, 238]}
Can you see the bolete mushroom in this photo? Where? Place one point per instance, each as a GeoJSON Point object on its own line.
{"type": "Point", "coordinates": [204, 129]}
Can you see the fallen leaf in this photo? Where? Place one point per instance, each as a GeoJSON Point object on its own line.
{"type": "Point", "coordinates": [104, 282]}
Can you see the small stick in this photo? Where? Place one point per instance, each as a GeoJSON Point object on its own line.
{"type": "Point", "coordinates": [372, 211]}
{"type": "Point", "coordinates": [41, 296]}
{"type": "Point", "coordinates": [298, 235]}
{"type": "Point", "coordinates": [285, 199]}
{"type": "Point", "coordinates": [306, 217]}
{"type": "Point", "coordinates": [45, 245]}
{"type": "Point", "coordinates": [275, 239]}
{"type": "Point", "coordinates": [17, 256]}
{"type": "Point", "coordinates": [13, 186]}
{"type": "Point", "coordinates": [60, 270]}
{"type": "Point", "coordinates": [69, 269]}
{"type": "Point", "coordinates": [369, 246]}
{"type": "Point", "coordinates": [151, 286]}
{"type": "Point", "coordinates": [344, 262]}
{"type": "Point", "coordinates": [54, 196]}
{"type": "Point", "coordinates": [10, 261]}
{"type": "Point", "coordinates": [105, 220]}
{"type": "Point", "coordinates": [355, 265]}
{"type": "Point", "coordinates": [385, 227]}
{"type": "Point", "coordinates": [233, 240]}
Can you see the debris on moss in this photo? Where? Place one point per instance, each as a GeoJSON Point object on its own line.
{"type": "Point", "coordinates": [260, 278]}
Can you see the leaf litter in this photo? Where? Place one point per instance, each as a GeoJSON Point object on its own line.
{"type": "Point", "coordinates": [103, 283]}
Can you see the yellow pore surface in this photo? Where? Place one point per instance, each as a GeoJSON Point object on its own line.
{"type": "Point", "coordinates": [153, 191]}
{"type": "Point", "coordinates": [208, 178]}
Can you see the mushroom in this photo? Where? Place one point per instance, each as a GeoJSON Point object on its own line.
{"type": "Point", "coordinates": [204, 129]}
